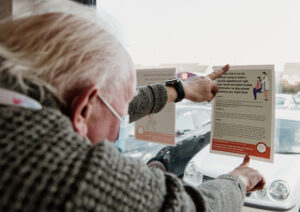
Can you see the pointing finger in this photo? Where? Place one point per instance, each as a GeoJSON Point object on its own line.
{"type": "Point", "coordinates": [246, 161]}
{"type": "Point", "coordinates": [216, 74]}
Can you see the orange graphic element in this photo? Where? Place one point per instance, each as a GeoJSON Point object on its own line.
{"type": "Point", "coordinates": [241, 148]}
{"type": "Point", "coordinates": [156, 137]}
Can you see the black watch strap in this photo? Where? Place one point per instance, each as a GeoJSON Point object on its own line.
{"type": "Point", "coordinates": [177, 84]}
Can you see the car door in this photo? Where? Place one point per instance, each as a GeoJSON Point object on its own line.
{"type": "Point", "coordinates": [202, 120]}
{"type": "Point", "coordinates": [184, 130]}
{"type": "Point", "coordinates": [192, 139]}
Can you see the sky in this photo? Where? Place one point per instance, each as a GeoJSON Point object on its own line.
{"type": "Point", "coordinates": [208, 32]}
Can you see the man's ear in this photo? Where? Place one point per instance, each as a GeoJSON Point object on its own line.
{"type": "Point", "coordinates": [81, 108]}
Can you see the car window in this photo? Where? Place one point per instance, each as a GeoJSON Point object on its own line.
{"type": "Point", "coordinates": [201, 118]}
{"type": "Point", "coordinates": [185, 123]}
{"type": "Point", "coordinates": [287, 137]}
{"type": "Point", "coordinates": [279, 100]}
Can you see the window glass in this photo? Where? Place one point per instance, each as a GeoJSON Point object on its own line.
{"type": "Point", "coordinates": [212, 32]}
{"type": "Point", "coordinates": [287, 137]}
{"type": "Point", "coordinates": [201, 117]}
{"type": "Point", "coordinates": [184, 123]}
{"type": "Point", "coordinates": [279, 101]}
{"type": "Point", "coordinates": [195, 35]}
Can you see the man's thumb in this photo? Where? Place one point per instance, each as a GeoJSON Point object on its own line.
{"type": "Point", "coordinates": [246, 161]}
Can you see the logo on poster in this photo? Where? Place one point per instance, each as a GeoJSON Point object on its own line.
{"type": "Point", "coordinates": [140, 130]}
{"type": "Point", "coordinates": [261, 147]}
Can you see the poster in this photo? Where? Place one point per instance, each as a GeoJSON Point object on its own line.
{"type": "Point", "coordinates": [243, 112]}
{"type": "Point", "coordinates": [159, 127]}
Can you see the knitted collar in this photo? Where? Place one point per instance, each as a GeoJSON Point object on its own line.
{"type": "Point", "coordinates": [8, 97]}
{"type": "Point", "coordinates": [40, 94]}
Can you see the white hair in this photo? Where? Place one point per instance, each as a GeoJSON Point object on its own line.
{"type": "Point", "coordinates": [64, 46]}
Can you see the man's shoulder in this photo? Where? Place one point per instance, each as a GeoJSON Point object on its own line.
{"type": "Point", "coordinates": [47, 127]}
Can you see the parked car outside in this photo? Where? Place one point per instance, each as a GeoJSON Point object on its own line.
{"type": "Point", "coordinates": [297, 97]}
{"type": "Point", "coordinates": [282, 190]}
{"type": "Point", "coordinates": [193, 123]}
{"type": "Point", "coordinates": [285, 101]}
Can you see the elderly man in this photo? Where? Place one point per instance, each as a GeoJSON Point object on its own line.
{"type": "Point", "coordinates": [65, 85]}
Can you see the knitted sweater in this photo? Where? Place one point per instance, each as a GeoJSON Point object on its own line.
{"type": "Point", "coordinates": [46, 166]}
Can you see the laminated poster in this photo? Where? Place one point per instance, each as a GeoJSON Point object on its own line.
{"type": "Point", "coordinates": [243, 112]}
{"type": "Point", "coordinates": [159, 127]}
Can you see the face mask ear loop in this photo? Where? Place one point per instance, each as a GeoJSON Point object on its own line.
{"type": "Point", "coordinates": [109, 107]}
{"type": "Point", "coordinates": [123, 131]}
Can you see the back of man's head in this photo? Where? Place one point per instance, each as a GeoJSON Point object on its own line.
{"type": "Point", "coordinates": [65, 50]}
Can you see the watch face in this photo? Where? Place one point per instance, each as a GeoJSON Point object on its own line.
{"type": "Point", "coordinates": [172, 82]}
{"type": "Point", "coordinates": [176, 83]}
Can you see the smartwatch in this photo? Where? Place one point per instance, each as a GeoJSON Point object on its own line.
{"type": "Point", "coordinates": [177, 84]}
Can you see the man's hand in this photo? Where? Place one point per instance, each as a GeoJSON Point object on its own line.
{"type": "Point", "coordinates": [251, 178]}
{"type": "Point", "coordinates": [200, 89]}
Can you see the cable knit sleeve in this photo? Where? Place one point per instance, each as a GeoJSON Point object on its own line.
{"type": "Point", "coordinates": [150, 99]}
{"type": "Point", "coordinates": [113, 182]}
{"type": "Point", "coordinates": [223, 194]}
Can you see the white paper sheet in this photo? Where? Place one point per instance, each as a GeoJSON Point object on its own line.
{"type": "Point", "coordinates": [243, 112]}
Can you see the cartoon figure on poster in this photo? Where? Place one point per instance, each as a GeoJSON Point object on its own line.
{"type": "Point", "coordinates": [262, 86]}
{"type": "Point", "coordinates": [257, 88]}
{"type": "Point", "coordinates": [266, 86]}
